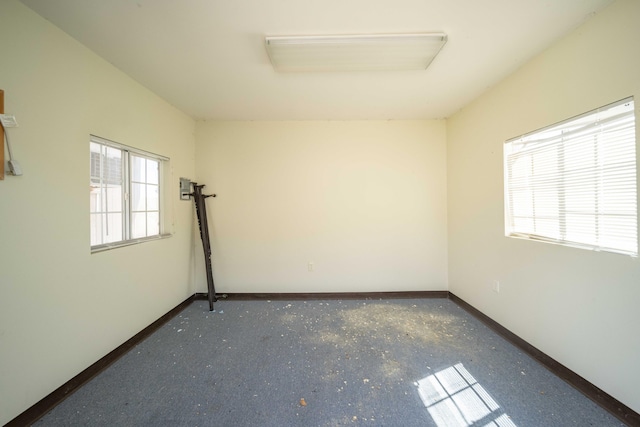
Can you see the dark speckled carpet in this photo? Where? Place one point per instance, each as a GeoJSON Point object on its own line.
{"type": "Point", "coordinates": [410, 362]}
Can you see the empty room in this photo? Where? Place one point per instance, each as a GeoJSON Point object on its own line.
{"type": "Point", "coordinates": [425, 213]}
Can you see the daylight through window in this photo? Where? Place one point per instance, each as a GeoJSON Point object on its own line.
{"type": "Point", "coordinates": [574, 182]}
{"type": "Point", "coordinates": [124, 194]}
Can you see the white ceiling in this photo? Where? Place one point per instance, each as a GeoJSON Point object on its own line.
{"type": "Point", "coordinates": [207, 57]}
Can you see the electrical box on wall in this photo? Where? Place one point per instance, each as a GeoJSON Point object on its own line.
{"type": "Point", "coordinates": [185, 188]}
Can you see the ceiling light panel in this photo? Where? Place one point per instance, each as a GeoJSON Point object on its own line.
{"type": "Point", "coordinates": [383, 52]}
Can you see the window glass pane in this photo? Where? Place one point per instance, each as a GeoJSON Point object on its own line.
{"type": "Point", "coordinates": [95, 204]}
{"type": "Point", "coordinates": [613, 232]}
{"type": "Point", "coordinates": [580, 228]}
{"type": "Point", "coordinates": [152, 198]}
{"type": "Point", "coordinates": [523, 224]}
{"type": "Point", "coordinates": [138, 225]}
{"type": "Point", "coordinates": [138, 169]}
{"type": "Point", "coordinates": [112, 166]}
{"type": "Point", "coordinates": [113, 228]}
{"type": "Point", "coordinates": [153, 167]}
{"type": "Point", "coordinates": [94, 162]}
{"type": "Point", "coordinates": [153, 224]}
{"type": "Point", "coordinates": [114, 198]}
{"type": "Point", "coordinates": [138, 197]}
{"type": "Point", "coordinates": [581, 199]}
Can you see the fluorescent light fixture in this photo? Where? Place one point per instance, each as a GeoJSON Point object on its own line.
{"type": "Point", "coordinates": [382, 52]}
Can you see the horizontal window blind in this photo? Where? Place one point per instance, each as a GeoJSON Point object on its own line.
{"type": "Point", "coordinates": [574, 182]}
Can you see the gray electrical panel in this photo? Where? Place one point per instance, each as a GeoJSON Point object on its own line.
{"type": "Point", "coordinates": [185, 188]}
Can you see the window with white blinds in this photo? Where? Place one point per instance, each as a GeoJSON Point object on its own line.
{"type": "Point", "coordinates": [574, 182]}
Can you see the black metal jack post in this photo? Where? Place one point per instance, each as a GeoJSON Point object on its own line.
{"type": "Point", "coordinates": [201, 211]}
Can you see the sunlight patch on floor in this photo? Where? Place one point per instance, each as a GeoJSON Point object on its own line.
{"type": "Point", "coordinates": [454, 398]}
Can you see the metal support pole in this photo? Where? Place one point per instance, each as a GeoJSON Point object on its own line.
{"type": "Point", "coordinates": [201, 211]}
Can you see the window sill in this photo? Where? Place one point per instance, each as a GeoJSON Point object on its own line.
{"type": "Point", "coordinates": [122, 243]}
{"type": "Point", "coordinates": [535, 238]}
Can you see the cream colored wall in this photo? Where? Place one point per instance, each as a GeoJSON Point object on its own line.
{"type": "Point", "coordinates": [364, 201]}
{"type": "Point", "coordinates": [62, 308]}
{"type": "Point", "coordinates": [580, 307]}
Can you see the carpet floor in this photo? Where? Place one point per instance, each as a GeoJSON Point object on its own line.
{"type": "Point", "coordinates": [394, 362]}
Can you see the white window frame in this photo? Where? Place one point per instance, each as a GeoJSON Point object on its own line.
{"type": "Point", "coordinates": [574, 183]}
{"type": "Point", "coordinates": [127, 209]}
